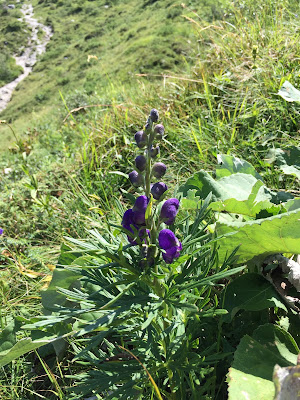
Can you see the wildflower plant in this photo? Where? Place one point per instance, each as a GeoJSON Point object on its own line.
{"type": "Point", "coordinates": [142, 222]}
{"type": "Point", "coordinates": [137, 297]}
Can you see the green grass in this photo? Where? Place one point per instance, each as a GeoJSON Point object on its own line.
{"type": "Point", "coordinates": [13, 33]}
{"type": "Point", "coordinates": [217, 94]}
{"type": "Point", "coordinates": [141, 37]}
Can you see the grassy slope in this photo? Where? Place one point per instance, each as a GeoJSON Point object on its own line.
{"type": "Point", "coordinates": [228, 104]}
{"type": "Point", "coordinates": [136, 37]}
{"type": "Point", "coordinates": [13, 34]}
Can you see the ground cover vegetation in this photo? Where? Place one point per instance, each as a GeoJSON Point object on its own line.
{"type": "Point", "coordinates": [12, 33]}
{"type": "Point", "coordinates": [71, 179]}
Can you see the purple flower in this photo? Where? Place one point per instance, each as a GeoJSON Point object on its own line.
{"type": "Point", "coordinates": [159, 169]}
{"type": "Point", "coordinates": [1, 231]}
{"type": "Point", "coordinates": [141, 139]}
{"type": "Point", "coordinates": [136, 179]}
{"type": "Point", "coordinates": [154, 115]}
{"type": "Point", "coordinates": [159, 130]}
{"type": "Point", "coordinates": [154, 151]}
{"type": "Point", "coordinates": [141, 203]}
{"type": "Point", "coordinates": [169, 211]}
{"type": "Point", "coordinates": [129, 223]}
{"type": "Point", "coordinates": [139, 210]}
{"type": "Point", "coordinates": [140, 162]}
{"type": "Point", "coordinates": [158, 189]}
{"type": "Point", "coordinates": [169, 242]}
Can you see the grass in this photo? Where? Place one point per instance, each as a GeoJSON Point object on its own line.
{"type": "Point", "coordinates": [13, 33]}
{"type": "Point", "coordinates": [125, 40]}
{"type": "Point", "coordinates": [216, 94]}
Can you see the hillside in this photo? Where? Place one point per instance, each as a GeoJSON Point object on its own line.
{"type": "Point", "coordinates": [98, 45]}
{"type": "Point", "coordinates": [187, 296]}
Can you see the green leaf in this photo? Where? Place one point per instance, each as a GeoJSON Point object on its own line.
{"type": "Point", "coordinates": [292, 204]}
{"type": "Point", "coordinates": [8, 335]}
{"type": "Point", "coordinates": [250, 376]}
{"type": "Point", "coordinates": [62, 278]}
{"type": "Point", "coordinates": [148, 212]}
{"type": "Point", "coordinates": [287, 159]}
{"type": "Point", "coordinates": [23, 346]}
{"type": "Point", "coordinates": [288, 92]}
{"type": "Point", "coordinates": [260, 238]}
{"type": "Point", "coordinates": [229, 165]}
{"type": "Point", "coordinates": [238, 186]}
{"type": "Point", "coordinates": [250, 292]}
{"type": "Point", "coordinates": [250, 207]}
{"type": "Point", "coordinates": [191, 201]}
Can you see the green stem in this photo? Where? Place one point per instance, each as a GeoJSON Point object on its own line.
{"type": "Point", "coordinates": [148, 165]}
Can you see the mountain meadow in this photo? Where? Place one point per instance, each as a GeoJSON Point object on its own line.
{"type": "Point", "coordinates": [149, 199]}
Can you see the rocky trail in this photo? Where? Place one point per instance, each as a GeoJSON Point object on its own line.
{"type": "Point", "coordinates": [28, 58]}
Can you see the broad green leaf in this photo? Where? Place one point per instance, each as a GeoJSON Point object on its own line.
{"type": "Point", "coordinates": [288, 92]}
{"type": "Point", "coordinates": [250, 376]}
{"type": "Point", "coordinates": [292, 204]}
{"type": "Point", "coordinates": [21, 347]}
{"type": "Point", "coordinates": [8, 335]}
{"type": "Point", "coordinates": [260, 238]}
{"type": "Point", "coordinates": [278, 341]}
{"type": "Point", "coordinates": [287, 159]}
{"type": "Point", "coordinates": [238, 186]}
{"type": "Point", "coordinates": [62, 278]}
{"type": "Point", "coordinates": [250, 292]}
{"type": "Point", "coordinates": [250, 207]}
{"type": "Point", "coordinates": [191, 201]}
{"type": "Point", "coordinates": [229, 165]}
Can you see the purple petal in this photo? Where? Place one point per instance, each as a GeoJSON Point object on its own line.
{"type": "Point", "coordinates": [158, 189]}
{"type": "Point", "coordinates": [127, 217]}
{"type": "Point", "coordinates": [141, 204]}
{"type": "Point", "coordinates": [171, 253]}
{"type": "Point", "coordinates": [169, 211]}
{"type": "Point", "coordinates": [139, 217]}
{"type": "Point", "coordinates": [167, 239]}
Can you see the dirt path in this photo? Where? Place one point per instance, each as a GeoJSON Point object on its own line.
{"type": "Point", "coordinates": [28, 58]}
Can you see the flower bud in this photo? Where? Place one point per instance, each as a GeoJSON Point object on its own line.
{"type": "Point", "coordinates": [158, 189]}
{"type": "Point", "coordinates": [159, 169]}
{"type": "Point", "coordinates": [136, 179]}
{"type": "Point", "coordinates": [159, 130]}
{"type": "Point", "coordinates": [148, 125]}
{"type": "Point", "coordinates": [169, 211]}
{"type": "Point", "coordinates": [154, 151]}
{"type": "Point", "coordinates": [1, 231]}
{"type": "Point", "coordinates": [140, 162]}
{"type": "Point", "coordinates": [141, 139]}
{"type": "Point", "coordinates": [154, 115]}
